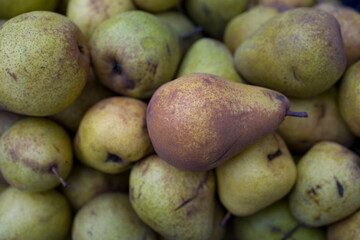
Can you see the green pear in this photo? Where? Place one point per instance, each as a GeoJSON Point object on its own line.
{"type": "Point", "coordinates": [156, 5]}
{"type": "Point", "coordinates": [92, 93]}
{"type": "Point", "coordinates": [34, 216]}
{"type": "Point", "coordinates": [299, 53]}
{"type": "Point", "coordinates": [349, 99]}
{"type": "Point", "coordinates": [175, 203]}
{"type": "Point", "coordinates": [133, 53]}
{"type": "Point", "coordinates": [213, 15]}
{"type": "Point", "coordinates": [3, 183]}
{"type": "Point", "coordinates": [324, 123]}
{"type": "Point", "coordinates": [10, 9]}
{"type": "Point", "coordinates": [292, 3]}
{"type": "Point", "coordinates": [346, 229]}
{"type": "Point", "coordinates": [326, 189]}
{"type": "Point", "coordinates": [35, 155]}
{"type": "Point", "coordinates": [198, 121]}
{"type": "Point", "coordinates": [255, 178]}
{"type": "Point", "coordinates": [219, 231]}
{"type": "Point", "coordinates": [208, 55]}
{"type": "Point", "coordinates": [113, 134]}
{"type": "Point", "coordinates": [245, 24]}
{"type": "Point", "coordinates": [273, 223]}
{"type": "Point", "coordinates": [349, 20]}
{"type": "Point", "coordinates": [109, 216]}
{"type": "Point", "coordinates": [182, 25]}
{"type": "Point", "coordinates": [44, 63]}
{"type": "Point", "coordinates": [88, 14]}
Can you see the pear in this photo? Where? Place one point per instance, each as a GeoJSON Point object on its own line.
{"type": "Point", "coordinates": [10, 9]}
{"type": "Point", "coordinates": [346, 229]}
{"type": "Point", "coordinates": [34, 216]}
{"type": "Point", "coordinates": [44, 63]}
{"type": "Point", "coordinates": [92, 93]}
{"type": "Point", "coordinates": [324, 123]}
{"type": "Point", "coordinates": [109, 216]}
{"type": "Point", "coordinates": [292, 3]}
{"type": "Point", "coordinates": [35, 155]}
{"type": "Point", "coordinates": [175, 203]}
{"type": "Point", "coordinates": [208, 55]}
{"type": "Point", "coordinates": [113, 134]}
{"type": "Point", "coordinates": [256, 177]}
{"type": "Point", "coordinates": [299, 53]}
{"type": "Point", "coordinates": [133, 53]}
{"type": "Point", "coordinates": [326, 189]}
{"type": "Point", "coordinates": [349, 99]}
{"type": "Point", "coordinates": [88, 14]}
{"type": "Point", "coordinates": [273, 223]}
{"type": "Point", "coordinates": [219, 231]}
{"type": "Point", "coordinates": [213, 15]}
{"type": "Point", "coordinates": [156, 5]}
{"type": "Point", "coordinates": [3, 183]}
{"type": "Point", "coordinates": [182, 25]}
{"type": "Point", "coordinates": [349, 20]}
{"type": "Point", "coordinates": [198, 121]}
{"type": "Point", "coordinates": [245, 24]}
{"type": "Point", "coordinates": [2, 21]}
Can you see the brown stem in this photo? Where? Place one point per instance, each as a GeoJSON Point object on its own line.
{"type": "Point", "coordinates": [225, 219]}
{"type": "Point", "coordinates": [291, 232]}
{"type": "Point", "coordinates": [296, 114]}
{"type": "Point", "coordinates": [54, 170]}
{"type": "Point", "coordinates": [196, 31]}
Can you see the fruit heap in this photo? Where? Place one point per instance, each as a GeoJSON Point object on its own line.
{"type": "Point", "coordinates": [179, 119]}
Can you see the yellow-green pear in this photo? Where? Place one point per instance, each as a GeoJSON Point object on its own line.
{"type": "Point", "coordinates": [299, 53]}
{"type": "Point", "coordinates": [256, 177]}
{"type": "Point", "coordinates": [324, 123]}
{"type": "Point", "coordinates": [34, 216]}
{"type": "Point", "coordinates": [133, 53]}
{"type": "Point", "coordinates": [44, 62]}
{"type": "Point", "coordinates": [198, 121]}
{"type": "Point", "coordinates": [88, 14]}
{"type": "Point", "coordinates": [183, 26]}
{"type": "Point", "coordinates": [35, 155]}
{"type": "Point", "coordinates": [213, 15]}
{"type": "Point", "coordinates": [326, 188]}
{"type": "Point", "coordinates": [245, 24]}
{"type": "Point", "coordinates": [292, 3]}
{"type": "Point", "coordinates": [274, 223]}
{"type": "Point", "coordinates": [208, 55]}
{"type": "Point", "coordinates": [349, 99]}
{"type": "Point", "coordinates": [346, 229]}
{"type": "Point", "coordinates": [3, 183]}
{"type": "Point", "coordinates": [12, 8]}
{"type": "Point", "coordinates": [113, 134]}
{"type": "Point", "coordinates": [156, 5]}
{"type": "Point", "coordinates": [92, 93]}
{"type": "Point", "coordinates": [110, 216]}
{"type": "Point", "coordinates": [349, 20]}
{"type": "Point", "coordinates": [177, 204]}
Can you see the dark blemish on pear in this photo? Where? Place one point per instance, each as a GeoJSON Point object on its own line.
{"type": "Point", "coordinates": [89, 233]}
{"type": "Point", "coordinates": [168, 49]}
{"type": "Point", "coordinates": [116, 68]}
{"type": "Point", "coordinates": [92, 212]}
{"type": "Point", "coordinates": [318, 186]}
{"type": "Point", "coordinates": [296, 114]}
{"type": "Point", "coordinates": [322, 110]}
{"type": "Point", "coordinates": [294, 74]}
{"type": "Point", "coordinates": [275, 229]}
{"type": "Point", "coordinates": [143, 172]}
{"type": "Point", "coordinates": [317, 218]}
{"type": "Point", "coordinates": [311, 192]}
{"type": "Point", "coordinates": [81, 49]}
{"type": "Point", "coordinates": [340, 188]}
{"type": "Point", "coordinates": [11, 74]}
{"type": "Point", "coordinates": [274, 155]}
{"type": "Point", "coordinates": [132, 194]}
{"type": "Point", "coordinates": [197, 191]}
{"type": "Point", "coordinates": [113, 158]}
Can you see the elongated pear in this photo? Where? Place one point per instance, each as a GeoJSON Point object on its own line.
{"type": "Point", "coordinates": [198, 121]}
{"type": "Point", "coordinates": [346, 229]}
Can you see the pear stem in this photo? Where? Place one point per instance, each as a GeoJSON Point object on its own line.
{"type": "Point", "coordinates": [196, 31]}
{"type": "Point", "coordinates": [225, 219]}
{"type": "Point", "coordinates": [296, 114]}
{"type": "Point", "coordinates": [62, 181]}
{"type": "Point", "coordinates": [291, 232]}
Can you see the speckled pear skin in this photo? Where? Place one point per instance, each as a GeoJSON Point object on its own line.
{"type": "Point", "coordinates": [208, 55]}
{"type": "Point", "coordinates": [44, 63]}
{"type": "Point", "coordinates": [28, 151]}
{"type": "Point", "coordinates": [326, 188]}
{"type": "Point", "coordinates": [198, 121]}
{"type": "Point", "coordinates": [133, 53]}
{"type": "Point", "coordinates": [34, 216]}
{"type": "Point", "coordinates": [346, 229]}
{"type": "Point", "coordinates": [299, 53]}
{"type": "Point", "coordinates": [177, 204]}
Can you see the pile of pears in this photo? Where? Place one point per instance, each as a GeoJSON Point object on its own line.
{"type": "Point", "coordinates": [179, 119]}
